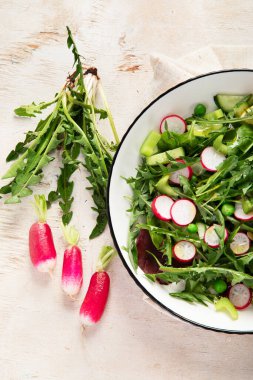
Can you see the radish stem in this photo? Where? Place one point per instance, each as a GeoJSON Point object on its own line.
{"type": "Point", "coordinates": [110, 118]}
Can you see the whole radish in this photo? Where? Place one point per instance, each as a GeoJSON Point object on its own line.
{"type": "Point", "coordinates": [96, 297]}
{"type": "Point", "coordinates": [41, 244]}
{"type": "Point", "coordinates": [72, 269]}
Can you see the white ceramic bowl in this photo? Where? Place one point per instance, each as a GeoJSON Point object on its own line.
{"type": "Point", "coordinates": [179, 100]}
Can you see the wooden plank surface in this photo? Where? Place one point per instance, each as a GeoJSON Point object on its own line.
{"type": "Point", "coordinates": [40, 336]}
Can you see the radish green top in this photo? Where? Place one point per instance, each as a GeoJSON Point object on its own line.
{"type": "Point", "coordinates": [217, 146]}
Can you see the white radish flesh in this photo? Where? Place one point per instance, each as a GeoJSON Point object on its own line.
{"type": "Point", "coordinates": [186, 172]}
{"type": "Point", "coordinates": [161, 207]}
{"type": "Point", "coordinates": [240, 214]}
{"type": "Point", "coordinates": [240, 244]}
{"type": "Point", "coordinates": [211, 159]}
{"type": "Point", "coordinates": [240, 296]}
{"type": "Point", "coordinates": [175, 123]}
{"type": "Point", "coordinates": [211, 237]}
{"type": "Point", "coordinates": [183, 212]}
{"type": "Point", "coordinates": [184, 251]}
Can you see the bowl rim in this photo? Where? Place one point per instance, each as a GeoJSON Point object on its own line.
{"type": "Point", "coordinates": [238, 332]}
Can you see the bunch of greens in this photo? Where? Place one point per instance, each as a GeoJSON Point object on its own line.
{"type": "Point", "coordinates": [232, 182]}
{"type": "Point", "coordinates": [72, 129]}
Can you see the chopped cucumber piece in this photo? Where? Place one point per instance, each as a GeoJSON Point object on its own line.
{"type": "Point", "coordinates": [164, 188]}
{"type": "Point", "coordinates": [150, 143]}
{"type": "Point", "coordinates": [247, 204]}
{"type": "Point", "coordinates": [202, 130]}
{"type": "Point", "coordinates": [219, 146]}
{"type": "Point", "coordinates": [163, 158]}
{"type": "Point", "coordinates": [227, 102]}
{"type": "Point", "coordinates": [249, 111]}
{"type": "Point", "coordinates": [223, 304]}
{"type": "Point", "coordinates": [215, 115]}
{"type": "Point", "coordinates": [240, 108]}
{"type": "Point", "coordinates": [201, 230]}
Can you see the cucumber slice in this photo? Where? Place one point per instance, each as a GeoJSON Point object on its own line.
{"type": "Point", "coordinates": [164, 188]}
{"type": "Point", "coordinates": [215, 115]}
{"type": "Point", "coordinates": [227, 102]}
{"type": "Point", "coordinates": [240, 108]}
{"type": "Point", "coordinates": [249, 111]}
{"type": "Point", "coordinates": [163, 158]}
{"type": "Point", "coordinates": [150, 143]}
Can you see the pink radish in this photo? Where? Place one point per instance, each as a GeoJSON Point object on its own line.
{"type": "Point", "coordinates": [72, 269]}
{"type": "Point", "coordinates": [175, 123]}
{"type": "Point", "coordinates": [210, 159]}
{"type": "Point", "coordinates": [183, 212]}
{"type": "Point", "coordinates": [211, 237]}
{"type": "Point", "coordinates": [96, 297]}
{"type": "Point", "coordinates": [41, 244]}
{"type": "Point", "coordinates": [240, 296]}
{"type": "Point", "coordinates": [240, 214]}
{"type": "Point", "coordinates": [161, 207]}
{"type": "Point", "coordinates": [240, 244]}
{"type": "Point", "coordinates": [186, 172]}
{"type": "Point", "coordinates": [184, 251]}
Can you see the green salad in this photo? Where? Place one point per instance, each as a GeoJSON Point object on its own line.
{"type": "Point", "coordinates": [192, 204]}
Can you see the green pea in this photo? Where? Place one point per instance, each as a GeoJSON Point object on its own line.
{"type": "Point", "coordinates": [192, 228]}
{"type": "Point", "coordinates": [220, 286]}
{"type": "Point", "coordinates": [228, 209]}
{"type": "Point", "coordinates": [194, 179]}
{"type": "Point", "coordinates": [200, 110]}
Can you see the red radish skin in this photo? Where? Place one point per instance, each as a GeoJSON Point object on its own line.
{"type": "Point", "coordinates": [183, 212]}
{"type": "Point", "coordinates": [240, 214]}
{"type": "Point", "coordinates": [184, 251]}
{"type": "Point", "coordinates": [95, 300]}
{"type": "Point", "coordinates": [240, 244]}
{"type": "Point", "coordinates": [186, 172]}
{"type": "Point", "coordinates": [41, 246]}
{"type": "Point", "coordinates": [96, 297]}
{"type": "Point", "coordinates": [210, 159]}
{"type": "Point", "coordinates": [161, 207]}
{"type": "Point", "coordinates": [175, 124]}
{"type": "Point", "coordinates": [212, 239]}
{"type": "Point", "coordinates": [72, 271]}
{"type": "Point", "coordinates": [240, 296]}
{"type": "Point", "coordinates": [41, 243]}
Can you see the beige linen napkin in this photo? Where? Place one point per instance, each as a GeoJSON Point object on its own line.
{"type": "Point", "coordinates": [169, 72]}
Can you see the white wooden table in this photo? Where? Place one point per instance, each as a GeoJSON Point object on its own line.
{"type": "Point", "coordinates": [40, 336]}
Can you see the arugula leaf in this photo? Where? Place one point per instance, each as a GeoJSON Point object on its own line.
{"type": "Point", "coordinates": [209, 272]}
{"type": "Point", "coordinates": [31, 110]}
{"type": "Point", "coordinates": [77, 62]}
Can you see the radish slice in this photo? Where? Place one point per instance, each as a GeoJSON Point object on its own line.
{"type": "Point", "coordinates": [240, 214]}
{"type": "Point", "coordinates": [250, 235]}
{"type": "Point", "coordinates": [240, 296]}
{"type": "Point", "coordinates": [183, 212]}
{"type": "Point", "coordinates": [240, 244]}
{"type": "Point", "coordinates": [211, 159]}
{"type": "Point", "coordinates": [186, 172]}
{"type": "Point", "coordinates": [184, 251]}
{"type": "Point", "coordinates": [161, 207]}
{"type": "Point", "coordinates": [211, 238]}
{"type": "Point", "coordinates": [175, 124]}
